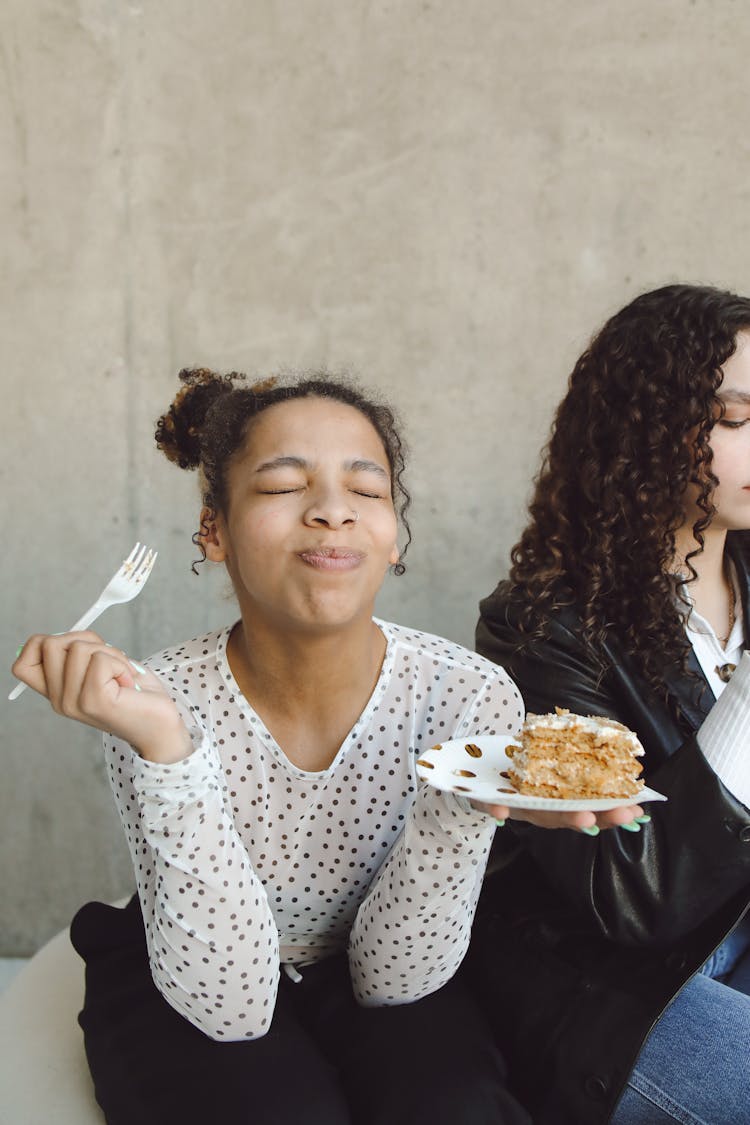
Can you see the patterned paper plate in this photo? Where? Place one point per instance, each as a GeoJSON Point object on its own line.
{"type": "Point", "coordinates": [477, 767]}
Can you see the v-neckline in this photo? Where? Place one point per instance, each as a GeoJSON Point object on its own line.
{"type": "Point", "coordinates": [249, 713]}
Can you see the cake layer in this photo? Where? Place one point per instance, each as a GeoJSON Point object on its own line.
{"type": "Point", "coordinates": [572, 784]}
{"type": "Point", "coordinates": [575, 756]}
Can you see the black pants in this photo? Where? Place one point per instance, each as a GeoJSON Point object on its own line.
{"type": "Point", "coordinates": [324, 1061]}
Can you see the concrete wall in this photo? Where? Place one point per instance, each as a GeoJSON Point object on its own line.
{"type": "Point", "coordinates": [444, 198]}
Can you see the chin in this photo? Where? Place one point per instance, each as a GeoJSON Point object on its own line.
{"type": "Point", "coordinates": [329, 617]}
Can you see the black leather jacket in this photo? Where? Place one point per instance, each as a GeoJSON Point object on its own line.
{"type": "Point", "coordinates": [580, 942]}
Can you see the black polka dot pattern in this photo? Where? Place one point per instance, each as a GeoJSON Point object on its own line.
{"type": "Point", "coordinates": [243, 861]}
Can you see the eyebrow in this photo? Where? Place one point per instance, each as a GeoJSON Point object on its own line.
{"type": "Point", "coordinates": [366, 467]}
{"type": "Point", "coordinates": [291, 462]}
{"type": "Point", "coordinates": [283, 463]}
{"type": "Point", "coordinates": [734, 396]}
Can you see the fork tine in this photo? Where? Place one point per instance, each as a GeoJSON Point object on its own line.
{"type": "Point", "coordinates": [127, 564]}
{"type": "Point", "coordinates": [140, 557]}
{"type": "Point", "coordinates": [132, 555]}
{"type": "Point", "coordinates": [146, 566]}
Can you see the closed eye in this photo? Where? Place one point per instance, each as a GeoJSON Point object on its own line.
{"type": "Point", "coordinates": [369, 495]}
{"type": "Point", "coordinates": [278, 491]}
{"type": "Point", "coordinates": [732, 424]}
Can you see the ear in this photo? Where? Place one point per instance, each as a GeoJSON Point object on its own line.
{"type": "Point", "coordinates": [212, 536]}
{"type": "Point", "coordinates": [394, 556]}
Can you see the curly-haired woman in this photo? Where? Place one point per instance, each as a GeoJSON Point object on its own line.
{"type": "Point", "coordinates": [303, 904]}
{"type": "Point", "coordinates": [620, 963]}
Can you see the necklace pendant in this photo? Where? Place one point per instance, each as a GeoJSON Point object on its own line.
{"type": "Point", "coordinates": [724, 672]}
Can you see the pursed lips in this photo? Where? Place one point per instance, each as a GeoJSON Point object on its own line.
{"type": "Point", "coordinates": [332, 558]}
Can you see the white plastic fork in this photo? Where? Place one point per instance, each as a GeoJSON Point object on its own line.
{"type": "Point", "coordinates": [124, 585]}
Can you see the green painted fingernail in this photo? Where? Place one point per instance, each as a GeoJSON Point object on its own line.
{"type": "Point", "coordinates": [592, 831]}
{"type": "Point", "coordinates": [499, 823]}
{"type": "Point", "coordinates": [645, 819]}
{"type": "Point", "coordinates": [631, 827]}
{"type": "Point", "coordinates": [138, 668]}
{"type": "Point", "coordinates": [137, 687]}
{"type": "Point", "coordinates": [19, 650]}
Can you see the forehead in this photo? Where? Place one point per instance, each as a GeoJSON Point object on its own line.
{"type": "Point", "coordinates": [313, 428]}
{"type": "Point", "coordinates": [736, 370]}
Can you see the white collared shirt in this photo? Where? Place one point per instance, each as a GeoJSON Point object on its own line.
{"type": "Point", "coordinates": [708, 649]}
{"type": "Point", "coordinates": [724, 736]}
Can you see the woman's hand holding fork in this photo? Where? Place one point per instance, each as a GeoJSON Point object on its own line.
{"type": "Point", "coordinates": [86, 679]}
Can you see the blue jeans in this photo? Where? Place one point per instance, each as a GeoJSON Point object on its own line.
{"type": "Point", "coordinates": [695, 1064]}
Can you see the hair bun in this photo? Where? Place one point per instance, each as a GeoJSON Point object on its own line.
{"type": "Point", "coordinates": [178, 432]}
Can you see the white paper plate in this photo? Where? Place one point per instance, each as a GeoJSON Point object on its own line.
{"type": "Point", "coordinates": [456, 766]}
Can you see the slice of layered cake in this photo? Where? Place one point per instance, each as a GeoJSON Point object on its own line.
{"type": "Point", "coordinates": [575, 757]}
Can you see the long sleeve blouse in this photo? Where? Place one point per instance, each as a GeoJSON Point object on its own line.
{"type": "Point", "coordinates": [244, 862]}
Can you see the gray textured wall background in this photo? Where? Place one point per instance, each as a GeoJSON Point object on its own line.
{"type": "Point", "coordinates": [445, 198]}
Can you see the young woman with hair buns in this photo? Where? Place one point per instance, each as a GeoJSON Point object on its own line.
{"type": "Point", "coordinates": [303, 903]}
{"type": "Point", "coordinates": [629, 995]}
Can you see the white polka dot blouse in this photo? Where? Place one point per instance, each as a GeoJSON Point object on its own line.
{"type": "Point", "coordinates": [244, 862]}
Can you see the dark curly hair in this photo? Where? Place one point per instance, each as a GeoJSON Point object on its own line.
{"type": "Point", "coordinates": [630, 436]}
{"type": "Point", "coordinates": [210, 416]}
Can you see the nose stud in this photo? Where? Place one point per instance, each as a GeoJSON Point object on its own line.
{"type": "Point", "coordinates": [356, 514]}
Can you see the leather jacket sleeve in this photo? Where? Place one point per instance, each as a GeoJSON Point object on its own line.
{"type": "Point", "coordinates": [649, 887]}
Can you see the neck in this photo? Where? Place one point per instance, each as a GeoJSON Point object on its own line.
{"type": "Point", "coordinates": [712, 590]}
{"type": "Point", "coordinates": [308, 690]}
{"type": "Point", "coordinates": [305, 672]}
{"type": "Point", "coordinates": [709, 563]}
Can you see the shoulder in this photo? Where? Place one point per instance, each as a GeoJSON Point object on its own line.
{"type": "Point", "coordinates": [183, 657]}
{"type": "Point", "coordinates": [548, 659]}
{"type": "Point", "coordinates": [506, 618]}
{"type": "Point", "coordinates": [460, 690]}
{"type": "Point", "coordinates": [501, 606]}
{"type": "Point", "coordinates": [440, 654]}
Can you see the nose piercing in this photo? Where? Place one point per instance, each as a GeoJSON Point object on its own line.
{"type": "Point", "coordinates": [356, 514]}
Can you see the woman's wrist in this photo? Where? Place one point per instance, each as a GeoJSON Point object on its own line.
{"type": "Point", "coordinates": [167, 747]}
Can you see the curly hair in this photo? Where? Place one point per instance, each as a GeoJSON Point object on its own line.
{"type": "Point", "coordinates": [211, 414]}
{"type": "Point", "coordinates": [629, 438]}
